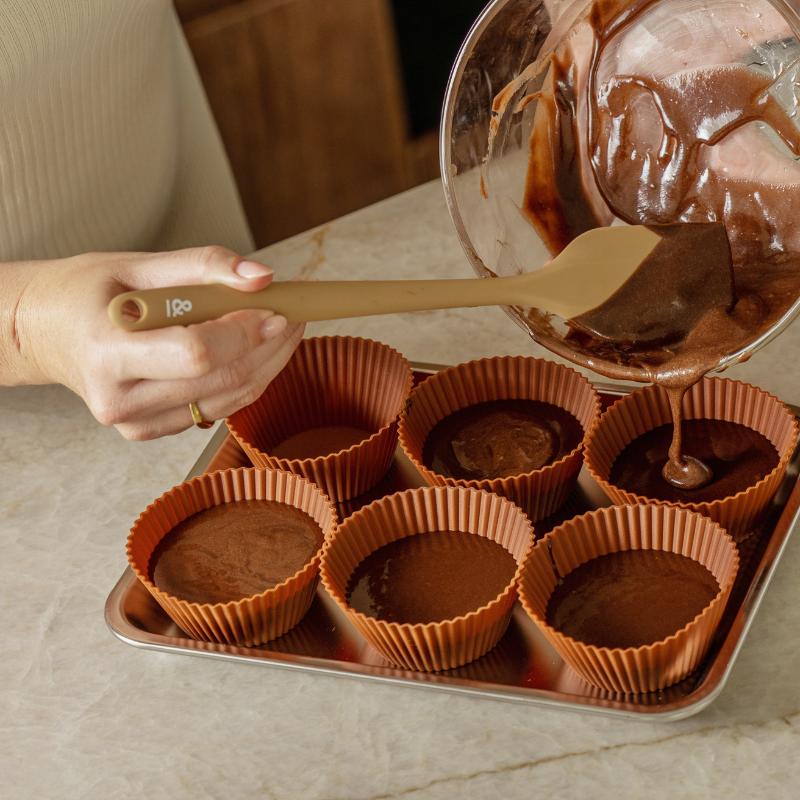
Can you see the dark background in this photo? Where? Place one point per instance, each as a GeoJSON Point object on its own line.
{"type": "Point", "coordinates": [429, 35]}
{"type": "Point", "coordinates": [325, 106]}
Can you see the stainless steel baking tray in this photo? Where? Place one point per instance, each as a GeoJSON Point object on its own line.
{"type": "Point", "coordinates": [522, 668]}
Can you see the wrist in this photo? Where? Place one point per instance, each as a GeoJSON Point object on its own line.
{"type": "Point", "coordinates": [23, 323]}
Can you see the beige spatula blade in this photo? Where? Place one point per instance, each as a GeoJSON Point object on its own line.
{"type": "Point", "coordinates": [584, 275]}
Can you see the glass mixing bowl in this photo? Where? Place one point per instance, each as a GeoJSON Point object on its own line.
{"type": "Point", "coordinates": [490, 108]}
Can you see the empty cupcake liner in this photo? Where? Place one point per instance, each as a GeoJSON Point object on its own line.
{"type": "Point", "coordinates": [330, 381]}
{"type": "Point", "coordinates": [252, 620]}
{"type": "Point", "coordinates": [436, 645]}
{"type": "Point", "coordinates": [539, 493]}
{"type": "Point", "coordinates": [639, 527]}
{"type": "Point", "coordinates": [711, 398]}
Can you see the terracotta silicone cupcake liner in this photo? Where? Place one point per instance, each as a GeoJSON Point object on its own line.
{"type": "Point", "coordinates": [539, 493]}
{"type": "Point", "coordinates": [252, 620]}
{"type": "Point", "coordinates": [330, 381]}
{"type": "Point", "coordinates": [639, 527]}
{"type": "Point", "coordinates": [436, 645]}
{"type": "Point", "coordinates": [711, 398]}
{"type": "Point", "coordinates": [569, 682]}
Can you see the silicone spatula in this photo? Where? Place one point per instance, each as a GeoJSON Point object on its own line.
{"type": "Point", "coordinates": [584, 276]}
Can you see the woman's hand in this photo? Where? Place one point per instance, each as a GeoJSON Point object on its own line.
{"type": "Point", "coordinates": [55, 329]}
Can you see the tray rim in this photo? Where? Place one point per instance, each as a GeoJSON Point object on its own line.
{"type": "Point", "coordinates": [785, 526]}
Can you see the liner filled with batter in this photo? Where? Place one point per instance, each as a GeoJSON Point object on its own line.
{"type": "Point", "coordinates": [646, 409]}
{"type": "Point", "coordinates": [651, 648]}
{"type": "Point", "coordinates": [446, 518]}
{"type": "Point", "coordinates": [257, 615]}
{"type": "Point", "coordinates": [471, 456]}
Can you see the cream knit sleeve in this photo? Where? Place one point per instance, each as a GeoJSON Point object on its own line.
{"type": "Point", "coordinates": [106, 139]}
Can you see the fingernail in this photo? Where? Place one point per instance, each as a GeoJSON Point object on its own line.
{"type": "Point", "coordinates": [252, 269]}
{"type": "Point", "coordinates": [273, 326]}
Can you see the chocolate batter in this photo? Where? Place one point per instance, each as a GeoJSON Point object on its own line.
{"type": "Point", "coordinates": [644, 180]}
{"type": "Point", "coordinates": [319, 442]}
{"type": "Point", "coordinates": [637, 314]}
{"type": "Point", "coordinates": [556, 200]}
{"type": "Point", "coordinates": [738, 456]}
{"type": "Point", "coordinates": [430, 577]}
{"type": "Point", "coordinates": [234, 550]}
{"type": "Point", "coordinates": [500, 438]}
{"type": "Point", "coordinates": [630, 598]}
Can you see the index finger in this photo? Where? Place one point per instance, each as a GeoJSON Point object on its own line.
{"type": "Point", "coordinates": [191, 266]}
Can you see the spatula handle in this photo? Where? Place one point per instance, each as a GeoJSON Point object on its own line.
{"type": "Point", "coordinates": [306, 302]}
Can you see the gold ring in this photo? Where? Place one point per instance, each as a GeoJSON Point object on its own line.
{"type": "Point", "coordinates": [198, 418]}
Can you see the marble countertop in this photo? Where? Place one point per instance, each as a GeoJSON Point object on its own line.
{"type": "Point", "coordinates": [83, 715]}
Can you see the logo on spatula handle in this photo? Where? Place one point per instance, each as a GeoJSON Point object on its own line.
{"type": "Point", "coordinates": [178, 307]}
